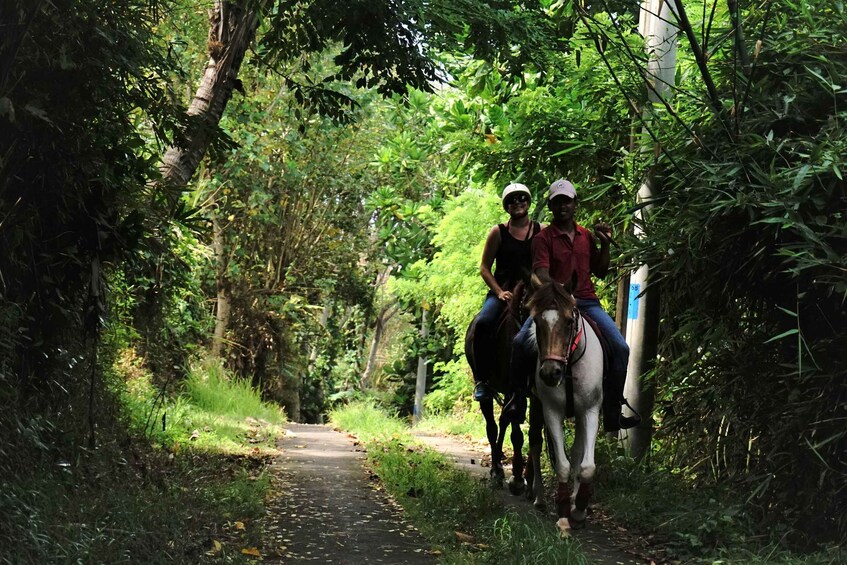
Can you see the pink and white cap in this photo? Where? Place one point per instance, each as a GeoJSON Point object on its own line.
{"type": "Point", "coordinates": [561, 187]}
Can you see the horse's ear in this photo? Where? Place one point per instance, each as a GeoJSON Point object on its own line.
{"type": "Point", "coordinates": [571, 284]}
{"type": "Point", "coordinates": [536, 282]}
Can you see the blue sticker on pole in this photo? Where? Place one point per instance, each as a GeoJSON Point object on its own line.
{"type": "Point", "coordinates": [632, 308]}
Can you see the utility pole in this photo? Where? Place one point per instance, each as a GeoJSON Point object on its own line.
{"type": "Point", "coordinates": [420, 384]}
{"type": "Point", "coordinates": [642, 325]}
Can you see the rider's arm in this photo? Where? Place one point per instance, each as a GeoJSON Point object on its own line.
{"type": "Point", "coordinates": [489, 253]}
{"type": "Point", "coordinates": [541, 258]}
{"type": "Point", "coordinates": [543, 275]}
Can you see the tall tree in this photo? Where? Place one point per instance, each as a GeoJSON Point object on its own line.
{"type": "Point", "coordinates": [384, 43]}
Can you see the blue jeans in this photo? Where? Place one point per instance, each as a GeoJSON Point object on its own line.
{"type": "Point", "coordinates": [617, 344]}
{"type": "Point", "coordinates": [525, 350]}
{"type": "Point", "coordinates": [483, 345]}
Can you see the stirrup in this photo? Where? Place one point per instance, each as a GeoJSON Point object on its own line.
{"type": "Point", "coordinates": [515, 408]}
{"type": "Point", "coordinates": [482, 392]}
{"type": "Point", "coordinates": [627, 422]}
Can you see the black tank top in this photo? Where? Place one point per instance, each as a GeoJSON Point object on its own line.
{"type": "Point", "coordinates": [514, 257]}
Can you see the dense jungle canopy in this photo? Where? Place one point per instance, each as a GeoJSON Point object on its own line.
{"type": "Point", "coordinates": [295, 186]}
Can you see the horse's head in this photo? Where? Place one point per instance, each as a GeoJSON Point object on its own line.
{"type": "Point", "coordinates": [554, 311]}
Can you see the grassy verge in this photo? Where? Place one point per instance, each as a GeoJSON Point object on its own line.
{"type": "Point", "coordinates": [695, 525]}
{"type": "Point", "coordinates": [462, 517]}
{"type": "Point", "coordinates": [184, 489]}
{"type": "Point", "coordinates": [700, 525]}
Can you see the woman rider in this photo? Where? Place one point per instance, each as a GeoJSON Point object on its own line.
{"type": "Point", "coordinates": [509, 246]}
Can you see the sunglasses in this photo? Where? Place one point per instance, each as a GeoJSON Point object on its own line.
{"type": "Point", "coordinates": [515, 198]}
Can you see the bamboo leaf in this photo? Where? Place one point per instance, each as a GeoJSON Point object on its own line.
{"type": "Point", "coordinates": [792, 331]}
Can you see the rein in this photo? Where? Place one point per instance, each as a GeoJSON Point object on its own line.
{"type": "Point", "coordinates": [577, 334]}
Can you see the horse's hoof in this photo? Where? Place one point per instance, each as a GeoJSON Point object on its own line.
{"type": "Point", "coordinates": [516, 485]}
{"type": "Point", "coordinates": [577, 524]}
{"type": "Point", "coordinates": [540, 505]}
{"type": "Point", "coordinates": [496, 478]}
{"type": "Point", "coordinates": [564, 527]}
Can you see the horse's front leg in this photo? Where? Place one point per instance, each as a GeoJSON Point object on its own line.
{"type": "Point", "coordinates": [517, 483]}
{"type": "Point", "coordinates": [497, 474]}
{"type": "Point", "coordinates": [587, 424]}
{"type": "Point", "coordinates": [535, 482]}
{"type": "Point", "coordinates": [554, 418]}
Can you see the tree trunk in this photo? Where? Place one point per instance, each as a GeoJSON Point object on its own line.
{"type": "Point", "coordinates": [222, 303]}
{"type": "Point", "coordinates": [385, 315]}
{"type": "Point", "coordinates": [420, 384]}
{"type": "Point", "coordinates": [642, 312]}
{"type": "Point", "coordinates": [233, 29]}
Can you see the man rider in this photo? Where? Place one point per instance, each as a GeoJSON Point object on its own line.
{"type": "Point", "coordinates": [559, 251]}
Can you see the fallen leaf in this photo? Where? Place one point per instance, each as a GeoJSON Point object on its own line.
{"type": "Point", "coordinates": [216, 547]}
{"type": "Point", "coordinates": [239, 525]}
{"type": "Point", "coordinates": [194, 435]}
{"type": "Point", "coordinates": [251, 551]}
{"type": "Point", "coordinates": [465, 538]}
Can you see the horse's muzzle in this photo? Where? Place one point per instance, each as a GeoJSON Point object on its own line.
{"type": "Point", "coordinates": [552, 372]}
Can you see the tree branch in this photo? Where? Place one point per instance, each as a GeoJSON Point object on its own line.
{"type": "Point", "coordinates": [682, 18]}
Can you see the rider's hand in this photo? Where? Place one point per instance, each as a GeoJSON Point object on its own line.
{"type": "Point", "coordinates": [504, 295]}
{"type": "Point", "coordinates": [603, 232]}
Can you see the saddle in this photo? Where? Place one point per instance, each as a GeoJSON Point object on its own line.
{"type": "Point", "coordinates": [611, 396]}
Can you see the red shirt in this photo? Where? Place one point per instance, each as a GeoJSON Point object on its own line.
{"type": "Point", "coordinates": [553, 250]}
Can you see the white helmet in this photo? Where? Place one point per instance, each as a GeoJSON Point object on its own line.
{"type": "Point", "coordinates": [513, 188]}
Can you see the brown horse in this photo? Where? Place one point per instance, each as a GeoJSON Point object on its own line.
{"type": "Point", "coordinates": [507, 327]}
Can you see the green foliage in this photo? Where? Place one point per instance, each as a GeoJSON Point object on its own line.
{"type": "Point", "coordinates": [746, 246]}
{"type": "Point", "coordinates": [705, 524]}
{"type": "Point", "coordinates": [391, 45]}
{"type": "Point", "coordinates": [74, 166]}
{"type": "Point", "coordinates": [291, 243]}
{"type": "Point", "coordinates": [133, 503]}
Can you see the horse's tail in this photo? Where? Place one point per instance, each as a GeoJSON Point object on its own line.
{"type": "Point", "coordinates": [469, 341]}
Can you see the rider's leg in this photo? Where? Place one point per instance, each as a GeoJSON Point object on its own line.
{"type": "Point", "coordinates": [521, 366]}
{"type": "Point", "coordinates": [486, 326]}
{"type": "Point", "coordinates": [619, 352]}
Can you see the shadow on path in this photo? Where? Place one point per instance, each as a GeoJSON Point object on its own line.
{"type": "Point", "coordinates": [326, 509]}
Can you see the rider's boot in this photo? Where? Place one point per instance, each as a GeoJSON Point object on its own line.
{"type": "Point", "coordinates": [613, 419]}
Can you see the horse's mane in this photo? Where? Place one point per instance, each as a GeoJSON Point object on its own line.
{"type": "Point", "coordinates": [550, 295]}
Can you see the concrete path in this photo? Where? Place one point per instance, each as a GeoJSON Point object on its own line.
{"type": "Point", "coordinates": [326, 509]}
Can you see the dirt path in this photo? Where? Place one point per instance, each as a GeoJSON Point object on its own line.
{"type": "Point", "coordinates": [327, 509]}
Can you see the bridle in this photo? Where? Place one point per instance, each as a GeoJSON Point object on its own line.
{"type": "Point", "coordinates": [576, 336]}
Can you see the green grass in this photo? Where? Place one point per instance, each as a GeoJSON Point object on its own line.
{"type": "Point", "coordinates": [152, 495]}
{"type": "Point", "coordinates": [367, 422]}
{"type": "Point", "coordinates": [700, 526]}
{"type": "Point", "coordinates": [441, 500]}
{"type": "Point", "coordinates": [215, 413]}
{"type": "Point", "coordinates": [465, 424]}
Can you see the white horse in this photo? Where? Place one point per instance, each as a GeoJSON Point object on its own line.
{"type": "Point", "coordinates": [568, 379]}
